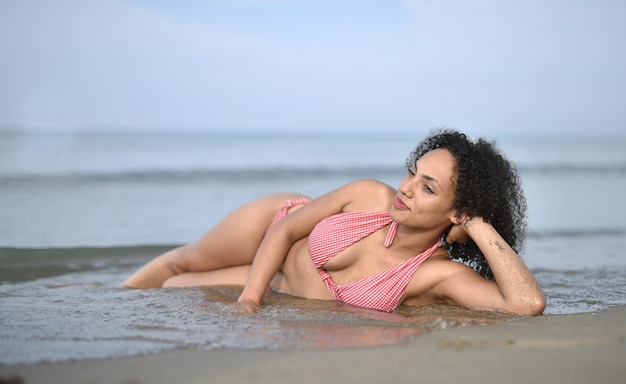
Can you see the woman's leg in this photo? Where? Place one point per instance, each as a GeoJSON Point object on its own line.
{"type": "Point", "coordinates": [231, 243]}
{"type": "Point", "coordinates": [225, 276]}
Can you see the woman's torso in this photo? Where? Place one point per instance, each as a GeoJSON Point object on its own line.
{"type": "Point", "coordinates": [363, 258]}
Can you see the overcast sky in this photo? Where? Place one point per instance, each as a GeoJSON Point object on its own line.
{"type": "Point", "coordinates": [498, 67]}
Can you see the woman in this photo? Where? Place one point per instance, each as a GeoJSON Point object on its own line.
{"type": "Point", "coordinates": [369, 245]}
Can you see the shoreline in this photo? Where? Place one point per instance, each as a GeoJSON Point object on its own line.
{"type": "Point", "coordinates": [562, 348]}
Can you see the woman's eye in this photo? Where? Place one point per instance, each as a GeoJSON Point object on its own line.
{"type": "Point", "coordinates": [411, 172]}
{"type": "Point", "coordinates": [428, 188]}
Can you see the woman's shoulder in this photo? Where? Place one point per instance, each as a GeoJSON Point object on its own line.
{"type": "Point", "coordinates": [372, 186]}
{"type": "Point", "coordinates": [370, 195]}
{"type": "Point", "coordinates": [429, 281]}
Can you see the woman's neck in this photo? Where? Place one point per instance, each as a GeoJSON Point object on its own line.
{"type": "Point", "coordinates": [415, 240]}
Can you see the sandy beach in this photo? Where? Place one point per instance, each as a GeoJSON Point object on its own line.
{"type": "Point", "coordinates": [577, 348]}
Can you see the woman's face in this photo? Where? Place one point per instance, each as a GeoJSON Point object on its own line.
{"type": "Point", "coordinates": [426, 194]}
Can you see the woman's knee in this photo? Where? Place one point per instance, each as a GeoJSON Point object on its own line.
{"type": "Point", "coordinates": [176, 260]}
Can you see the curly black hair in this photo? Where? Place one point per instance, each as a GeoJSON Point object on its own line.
{"type": "Point", "coordinates": [487, 185]}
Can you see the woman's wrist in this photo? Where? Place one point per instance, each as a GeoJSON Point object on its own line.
{"type": "Point", "coordinates": [475, 225]}
{"type": "Point", "coordinates": [247, 297]}
{"type": "Point", "coordinates": [247, 301]}
{"type": "Point", "coordinates": [247, 306]}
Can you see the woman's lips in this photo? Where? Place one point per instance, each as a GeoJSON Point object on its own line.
{"type": "Point", "coordinates": [399, 204]}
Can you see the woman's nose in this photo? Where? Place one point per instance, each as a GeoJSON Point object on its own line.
{"type": "Point", "coordinates": [405, 186]}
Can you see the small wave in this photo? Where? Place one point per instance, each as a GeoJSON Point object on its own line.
{"type": "Point", "coordinates": [18, 255]}
{"type": "Point", "coordinates": [577, 233]}
{"type": "Point", "coordinates": [24, 264]}
{"type": "Point", "coordinates": [199, 175]}
{"type": "Point", "coordinates": [569, 169]}
{"type": "Point", "coordinates": [268, 173]}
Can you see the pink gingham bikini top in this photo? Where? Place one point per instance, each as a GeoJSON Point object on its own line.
{"type": "Point", "coordinates": [382, 291]}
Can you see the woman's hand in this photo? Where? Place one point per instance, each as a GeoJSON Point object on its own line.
{"type": "Point", "coordinates": [458, 232]}
{"type": "Point", "coordinates": [246, 307]}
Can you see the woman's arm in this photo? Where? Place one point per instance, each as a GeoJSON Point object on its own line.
{"type": "Point", "coordinates": [295, 226]}
{"type": "Point", "coordinates": [267, 261]}
{"type": "Point", "coordinates": [515, 289]}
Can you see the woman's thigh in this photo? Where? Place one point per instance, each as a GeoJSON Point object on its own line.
{"type": "Point", "coordinates": [235, 240]}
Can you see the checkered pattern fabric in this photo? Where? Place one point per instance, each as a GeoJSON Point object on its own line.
{"type": "Point", "coordinates": [332, 235]}
{"type": "Point", "coordinates": [285, 209]}
{"type": "Point", "coordinates": [382, 291]}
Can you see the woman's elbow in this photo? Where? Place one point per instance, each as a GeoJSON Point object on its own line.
{"type": "Point", "coordinates": [531, 307]}
{"type": "Point", "coordinates": [538, 306]}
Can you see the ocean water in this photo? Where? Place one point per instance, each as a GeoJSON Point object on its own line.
{"type": "Point", "coordinates": [79, 212]}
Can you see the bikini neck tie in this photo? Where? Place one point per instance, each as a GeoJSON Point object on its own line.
{"type": "Point", "coordinates": [391, 234]}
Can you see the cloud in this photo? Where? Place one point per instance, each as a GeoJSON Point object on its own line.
{"type": "Point", "coordinates": [313, 65]}
{"type": "Point", "coordinates": [106, 62]}
{"type": "Point", "coordinates": [531, 34]}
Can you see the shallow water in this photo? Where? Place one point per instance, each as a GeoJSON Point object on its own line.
{"type": "Point", "coordinates": [81, 211]}
{"type": "Point", "coordinates": [87, 315]}
{"type": "Point", "coordinates": [67, 304]}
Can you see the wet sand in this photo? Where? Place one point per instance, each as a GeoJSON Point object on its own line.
{"type": "Point", "coordinates": [578, 348]}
